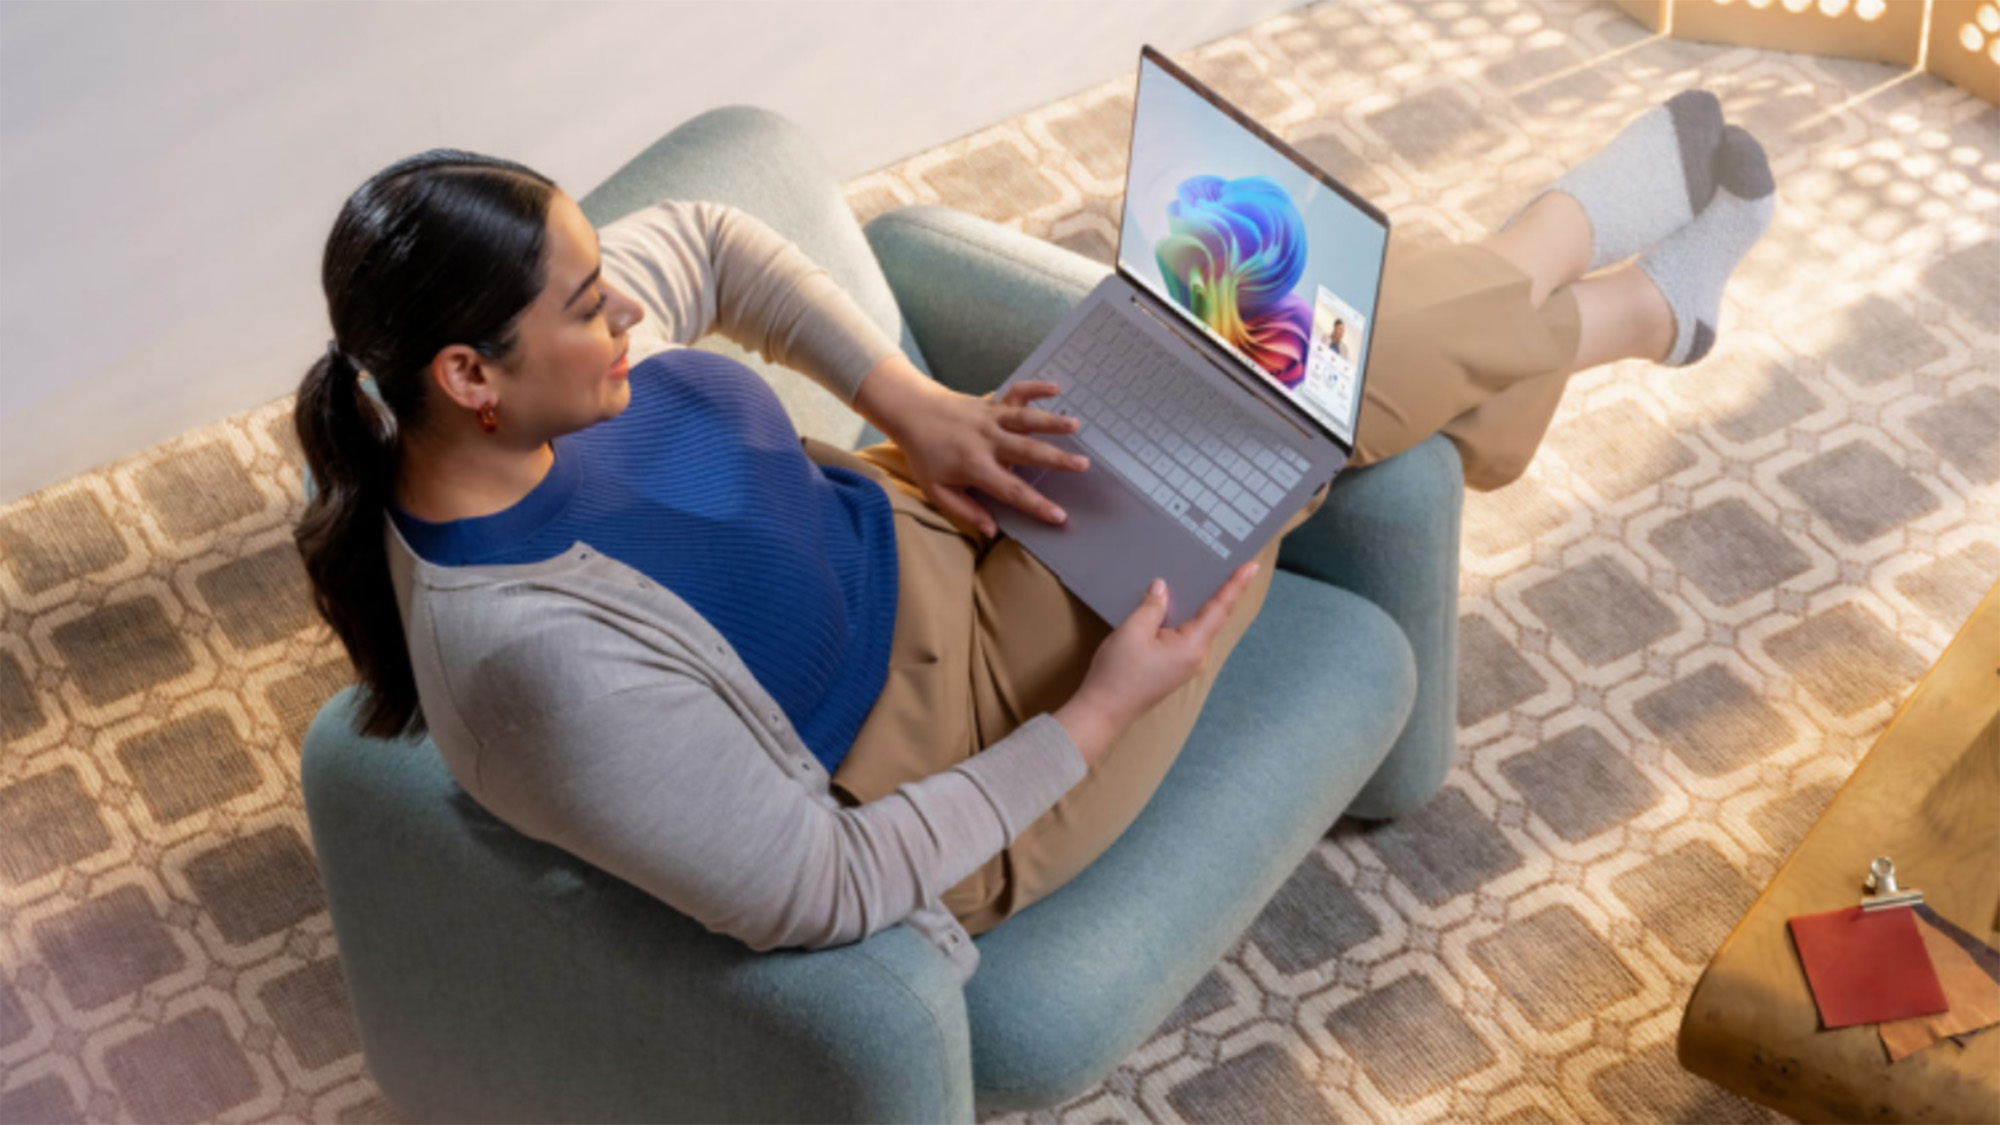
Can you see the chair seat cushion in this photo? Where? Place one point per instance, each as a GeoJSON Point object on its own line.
{"type": "Point", "coordinates": [1300, 716]}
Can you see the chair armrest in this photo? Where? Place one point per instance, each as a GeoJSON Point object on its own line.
{"type": "Point", "coordinates": [496, 978]}
{"type": "Point", "coordinates": [1389, 532]}
{"type": "Point", "coordinates": [980, 294]}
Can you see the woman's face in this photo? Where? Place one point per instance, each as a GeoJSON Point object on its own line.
{"type": "Point", "coordinates": [569, 367]}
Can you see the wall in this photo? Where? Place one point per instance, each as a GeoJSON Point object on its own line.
{"type": "Point", "coordinates": [169, 169]}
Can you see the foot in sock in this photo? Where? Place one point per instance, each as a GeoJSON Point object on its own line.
{"type": "Point", "coordinates": [1654, 177]}
{"type": "Point", "coordinates": [1693, 264]}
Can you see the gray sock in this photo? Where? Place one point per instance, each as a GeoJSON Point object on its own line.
{"type": "Point", "coordinates": [1653, 178]}
{"type": "Point", "coordinates": [1691, 266]}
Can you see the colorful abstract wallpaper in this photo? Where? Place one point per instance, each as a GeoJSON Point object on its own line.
{"type": "Point", "coordinates": [1237, 249]}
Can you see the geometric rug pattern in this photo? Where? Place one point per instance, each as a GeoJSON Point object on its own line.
{"type": "Point", "coordinates": [1681, 630]}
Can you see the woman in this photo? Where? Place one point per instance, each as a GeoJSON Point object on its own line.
{"type": "Point", "coordinates": [797, 693]}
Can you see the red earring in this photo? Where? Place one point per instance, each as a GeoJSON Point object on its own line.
{"type": "Point", "coordinates": [489, 417]}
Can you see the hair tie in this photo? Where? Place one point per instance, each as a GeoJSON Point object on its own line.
{"type": "Point", "coordinates": [336, 357]}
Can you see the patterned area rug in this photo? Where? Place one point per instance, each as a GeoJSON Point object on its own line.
{"type": "Point", "coordinates": [1680, 632]}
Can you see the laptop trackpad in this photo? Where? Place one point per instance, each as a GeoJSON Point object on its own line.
{"type": "Point", "coordinates": [1113, 544]}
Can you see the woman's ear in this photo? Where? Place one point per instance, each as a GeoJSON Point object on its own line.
{"type": "Point", "coordinates": [464, 376]}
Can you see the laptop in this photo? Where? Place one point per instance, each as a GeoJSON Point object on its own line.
{"type": "Point", "coordinates": [1217, 372]}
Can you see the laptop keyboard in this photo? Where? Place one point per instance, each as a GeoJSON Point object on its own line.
{"type": "Point", "coordinates": [1178, 441]}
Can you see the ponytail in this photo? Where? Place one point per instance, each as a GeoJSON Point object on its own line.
{"type": "Point", "coordinates": [352, 462]}
{"type": "Point", "coordinates": [441, 248]}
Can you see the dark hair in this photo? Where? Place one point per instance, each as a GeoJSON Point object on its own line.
{"type": "Point", "coordinates": [441, 248]}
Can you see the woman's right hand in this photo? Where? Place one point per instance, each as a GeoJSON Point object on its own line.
{"type": "Point", "coordinates": [1141, 663]}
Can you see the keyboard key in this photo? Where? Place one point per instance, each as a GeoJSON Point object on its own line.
{"type": "Point", "coordinates": [1126, 465]}
{"type": "Point", "coordinates": [1297, 460]}
{"type": "Point", "coordinates": [1231, 521]}
{"type": "Point", "coordinates": [1202, 467]}
{"type": "Point", "coordinates": [1256, 482]}
{"type": "Point", "coordinates": [1251, 506]}
{"type": "Point", "coordinates": [1284, 475]}
{"type": "Point", "coordinates": [1271, 493]}
{"type": "Point", "coordinates": [1209, 529]}
{"type": "Point", "coordinates": [1178, 477]}
{"type": "Point", "coordinates": [1231, 491]}
{"type": "Point", "coordinates": [1219, 549]}
{"type": "Point", "coordinates": [1263, 458]}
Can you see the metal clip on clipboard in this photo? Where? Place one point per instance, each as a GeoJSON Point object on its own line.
{"type": "Point", "coordinates": [1883, 893]}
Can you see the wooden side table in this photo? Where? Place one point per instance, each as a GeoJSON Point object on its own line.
{"type": "Point", "coordinates": [1928, 796]}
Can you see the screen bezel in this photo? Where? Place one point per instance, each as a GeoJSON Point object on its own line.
{"type": "Point", "coordinates": [1262, 379]}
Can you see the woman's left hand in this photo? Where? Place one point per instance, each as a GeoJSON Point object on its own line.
{"type": "Point", "coordinates": [955, 441]}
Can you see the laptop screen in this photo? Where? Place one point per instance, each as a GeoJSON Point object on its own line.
{"type": "Point", "coordinates": [1252, 246]}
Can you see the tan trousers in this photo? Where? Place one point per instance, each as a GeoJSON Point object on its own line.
{"type": "Point", "coordinates": [1459, 350]}
{"type": "Point", "coordinates": [986, 637]}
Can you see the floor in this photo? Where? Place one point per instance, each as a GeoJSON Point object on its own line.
{"type": "Point", "coordinates": [1680, 630]}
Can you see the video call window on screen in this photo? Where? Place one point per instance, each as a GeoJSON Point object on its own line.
{"type": "Point", "coordinates": [1266, 260]}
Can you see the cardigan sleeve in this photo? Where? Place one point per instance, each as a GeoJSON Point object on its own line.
{"type": "Point", "coordinates": [701, 266]}
{"type": "Point", "coordinates": [665, 786]}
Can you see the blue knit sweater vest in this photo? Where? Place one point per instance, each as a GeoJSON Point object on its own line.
{"type": "Point", "coordinates": [701, 485]}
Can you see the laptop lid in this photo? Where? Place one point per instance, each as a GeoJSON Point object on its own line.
{"type": "Point", "coordinates": [1269, 257]}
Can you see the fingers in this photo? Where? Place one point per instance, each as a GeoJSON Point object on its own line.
{"type": "Point", "coordinates": [1034, 420]}
{"type": "Point", "coordinates": [1029, 451]}
{"type": "Point", "coordinates": [1151, 610]}
{"type": "Point", "coordinates": [964, 510]}
{"type": "Point", "coordinates": [1004, 485]}
{"type": "Point", "coordinates": [1209, 619]}
{"type": "Point", "coordinates": [1027, 391]}
{"type": "Point", "coordinates": [1019, 417]}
